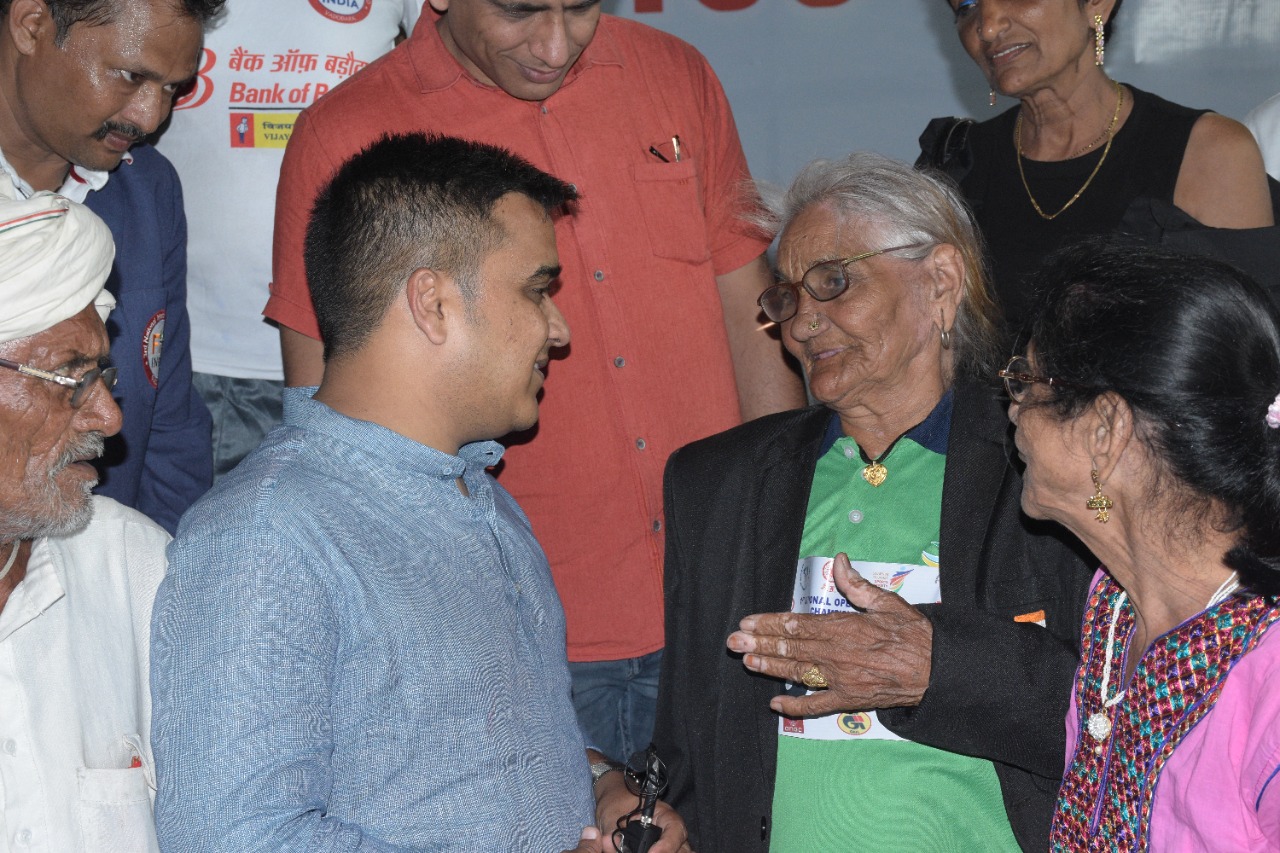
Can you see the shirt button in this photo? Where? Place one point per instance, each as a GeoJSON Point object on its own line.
{"type": "Point", "coordinates": [599, 275]}
{"type": "Point", "coordinates": [544, 109]}
{"type": "Point", "coordinates": [22, 838]}
{"type": "Point", "coordinates": [849, 452]}
{"type": "Point", "coordinates": [573, 187]}
{"type": "Point", "coordinates": [10, 746]}
{"type": "Point", "coordinates": [639, 444]}
{"type": "Point", "coordinates": [619, 362]}
{"type": "Point", "coordinates": [657, 526]}
{"type": "Point", "coordinates": [855, 516]}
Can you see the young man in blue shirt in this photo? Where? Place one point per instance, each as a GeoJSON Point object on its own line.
{"type": "Point", "coordinates": [359, 645]}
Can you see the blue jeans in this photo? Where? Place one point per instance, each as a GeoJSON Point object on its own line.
{"type": "Point", "coordinates": [243, 410]}
{"type": "Point", "coordinates": [615, 701]}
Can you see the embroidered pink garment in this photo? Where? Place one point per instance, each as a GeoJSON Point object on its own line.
{"type": "Point", "coordinates": [1219, 789]}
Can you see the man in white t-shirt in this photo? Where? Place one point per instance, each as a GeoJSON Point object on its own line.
{"type": "Point", "coordinates": [262, 63]}
{"type": "Point", "coordinates": [78, 573]}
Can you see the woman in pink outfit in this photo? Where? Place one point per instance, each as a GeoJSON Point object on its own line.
{"type": "Point", "coordinates": [1147, 412]}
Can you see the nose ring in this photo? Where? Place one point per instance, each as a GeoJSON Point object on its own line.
{"type": "Point", "coordinates": [814, 323]}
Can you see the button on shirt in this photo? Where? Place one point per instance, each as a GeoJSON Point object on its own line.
{"type": "Point", "coordinates": [350, 654]}
{"type": "Point", "coordinates": [75, 768]}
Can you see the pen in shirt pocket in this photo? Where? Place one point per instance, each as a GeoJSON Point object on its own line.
{"type": "Point", "coordinates": [675, 150]}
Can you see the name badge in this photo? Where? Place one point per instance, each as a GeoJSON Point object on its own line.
{"type": "Point", "coordinates": [815, 592]}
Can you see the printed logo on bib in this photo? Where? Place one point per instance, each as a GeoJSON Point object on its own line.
{"type": "Point", "coordinates": [261, 130]}
{"type": "Point", "coordinates": [815, 592]}
{"type": "Point", "coordinates": [152, 344]}
{"type": "Point", "coordinates": [855, 724]}
{"type": "Point", "coordinates": [343, 11]}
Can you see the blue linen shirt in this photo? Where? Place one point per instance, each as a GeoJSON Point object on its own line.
{"type": "Point", "coordinates": [348, 654]}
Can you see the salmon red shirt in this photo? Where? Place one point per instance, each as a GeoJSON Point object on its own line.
{"type": "Point", "coordinates": [648, 369]}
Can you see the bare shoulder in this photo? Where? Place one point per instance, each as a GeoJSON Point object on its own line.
{"type": "Point", "coordinates": [1222, 182]}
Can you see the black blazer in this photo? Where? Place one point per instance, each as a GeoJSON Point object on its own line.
{"type": "Point", "coordinates": [735, 507]}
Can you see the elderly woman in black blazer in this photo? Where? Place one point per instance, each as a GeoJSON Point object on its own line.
{"type": "Point", "coordinates": [909, 696]}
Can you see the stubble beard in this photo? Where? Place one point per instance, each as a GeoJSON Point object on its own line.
{"type": "Point", "coordinates": [46, 511]}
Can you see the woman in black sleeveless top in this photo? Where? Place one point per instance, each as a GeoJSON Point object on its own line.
{"type": "Point", "coordinates": [1080, 148]}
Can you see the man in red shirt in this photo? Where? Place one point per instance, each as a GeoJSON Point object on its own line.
{"type": "Point", "coordinates": [659, 284]}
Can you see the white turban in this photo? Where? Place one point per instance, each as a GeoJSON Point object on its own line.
{"type": "Point", "coordinates": [55, 256]}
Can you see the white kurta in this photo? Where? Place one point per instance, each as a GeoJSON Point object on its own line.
{"type": "Point", "coordinates": [76, 772]}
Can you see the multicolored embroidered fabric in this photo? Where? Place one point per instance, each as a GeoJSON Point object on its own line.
{"type": "Point", "coordinates": [1105, 799]}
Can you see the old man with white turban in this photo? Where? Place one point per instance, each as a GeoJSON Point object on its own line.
{"type": "Point", "coordinates": [78, 573]}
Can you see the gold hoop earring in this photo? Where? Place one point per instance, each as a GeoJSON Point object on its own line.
{"type": "Point", "coordinates": [1099, 501]}
{"type": "Point", "coordinates": [1099, 41]}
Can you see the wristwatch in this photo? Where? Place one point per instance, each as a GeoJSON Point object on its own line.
{"type": "Point", "coordinates": [599, 768]}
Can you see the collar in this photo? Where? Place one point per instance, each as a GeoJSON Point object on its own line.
{"type": "Point", "coordinates": [436, 68]}
{"type": "Point", "coordinates": [77, 185]}
{"type": "Point", "coordinates": [931, 433]}
{"type": "Point", "coordinates": [39, 590]}
{"type": "Point", "coordinates": [385, 445]}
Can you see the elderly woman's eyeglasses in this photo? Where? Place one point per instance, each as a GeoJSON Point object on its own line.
{"type": "Point", "coordinates": [823, 281]}
{"type": "Point", "coordinates": [80, 388]}
{"type": "Point", "coordinates": [1018, 379]}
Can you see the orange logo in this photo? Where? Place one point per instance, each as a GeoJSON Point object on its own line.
{"type": "Point", "coordinates": [200, 89]}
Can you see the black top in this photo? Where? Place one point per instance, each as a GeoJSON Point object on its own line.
{"type": "Point", "coordinates": [1144, 160]}
{"type": "Point", "coordinates": [998, 689]}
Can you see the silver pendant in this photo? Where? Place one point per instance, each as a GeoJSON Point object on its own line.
{"type": "Point", "coordinates": [1099, 725]}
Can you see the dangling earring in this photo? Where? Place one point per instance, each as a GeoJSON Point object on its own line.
{"type": "Point", "coordinates": [1099, 501]}
{"type": "Point", "coordinates": [1099, 41]}
{"type": "Point", "coordinates": [991, 101]}
{"type": "Point", "coordinates": [946, 333]}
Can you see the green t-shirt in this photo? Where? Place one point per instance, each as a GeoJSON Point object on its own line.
{"type": "Point", "coordinates": [845, 782]}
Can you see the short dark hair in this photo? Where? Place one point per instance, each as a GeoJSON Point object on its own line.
{"type": "Point", "coordinates": [403, 203]}
{"type": "Point", "coordinates": [1193, 347]}
{"type": "Point", "coordinates": [68, 12]}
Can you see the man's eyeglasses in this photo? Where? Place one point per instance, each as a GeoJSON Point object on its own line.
{"type": "Point", "coordinates": [824, 282]}
{"type": "Point", "coordinates": [81, 387]}
{"type": "Point", "coordinates": [1018, 379]}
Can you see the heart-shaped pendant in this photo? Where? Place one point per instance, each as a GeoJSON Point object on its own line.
{"type": "Point", "coordinates": [875, 473]}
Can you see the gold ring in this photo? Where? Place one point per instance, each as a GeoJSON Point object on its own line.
{"type": "Point", "coordinates": [813, 678]}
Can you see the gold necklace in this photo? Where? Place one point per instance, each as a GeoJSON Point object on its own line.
{"type": "Point", "coordinates": [874, 471]}
{"type": "Point", "coordinates": [1110, 134]}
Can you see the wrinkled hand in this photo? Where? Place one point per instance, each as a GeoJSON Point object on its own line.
{"type": "Point", "coordinates": [879, 658]}
{"type": "Point", "coordinates": [613, 800]}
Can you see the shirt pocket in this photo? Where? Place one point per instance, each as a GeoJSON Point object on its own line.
{"type": "Point", "coordinates": [115, 811]}
{"type": "Point", "coordinates": [671, 204]}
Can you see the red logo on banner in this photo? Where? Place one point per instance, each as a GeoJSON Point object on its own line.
{"type": "Point", "coordinates": [794, 726]}
{"type": "Point", "coordinates": [343, 11]}
{"type": "Point", "coordinates": [242, 130]}
{"type": "Point", "coordinates": [200, 89]}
